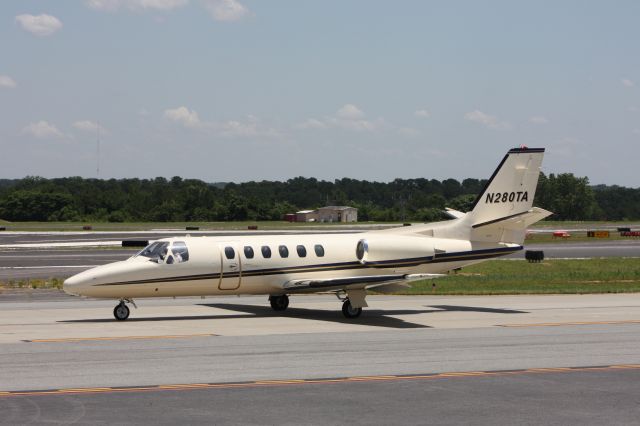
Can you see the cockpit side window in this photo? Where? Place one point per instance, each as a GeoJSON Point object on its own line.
{"type": "Point", "coordinates": [156, 251]}
{"type": "Point", "coordinates": [180, 251]}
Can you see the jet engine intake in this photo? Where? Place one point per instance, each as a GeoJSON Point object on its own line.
{"type": "Point", "coordinates": [378, 252]}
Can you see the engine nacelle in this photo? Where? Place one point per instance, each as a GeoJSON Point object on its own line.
{"type": "Point", "coordinates": [394, 250]}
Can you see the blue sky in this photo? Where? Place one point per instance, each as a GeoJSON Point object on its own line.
{"type": "Point", "coordinates": [237, 90]}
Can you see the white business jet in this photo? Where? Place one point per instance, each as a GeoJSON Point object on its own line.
{"type": "Point", "coordinates": [345, 264]}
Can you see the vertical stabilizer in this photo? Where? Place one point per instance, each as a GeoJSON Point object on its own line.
{"type": "Point", "coordinates": [511, 189]}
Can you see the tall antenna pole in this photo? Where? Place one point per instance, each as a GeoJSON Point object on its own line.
{"type": "Point", "coordinates": [98, 148]}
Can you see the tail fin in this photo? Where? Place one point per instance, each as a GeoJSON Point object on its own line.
{"type": "Point", "coordinates": [503, 209]}
{"type": "Point", "coordinates": [510, 190]}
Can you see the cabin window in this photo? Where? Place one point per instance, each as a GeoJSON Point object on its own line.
{"type": "Point", "coordinates": [248, 252]}
{"type": "Point", "coordinates": [180, 252]}
{"type": "Point", "coordinates": [284, 251]}
{"type": "Point", "coordinates": [302, 251]}
{"type": "Point", "coordinates": [319, 250]}
{"type": "Point", "coordinates": [266, 252]}
{"type": "Point", "coordinates": [230, 253]}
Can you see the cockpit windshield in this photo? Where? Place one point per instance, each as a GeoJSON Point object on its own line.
{"type": "Point", "coordinates": [156, 250]}
{"type": "Point", "coordinates": [159, 252]}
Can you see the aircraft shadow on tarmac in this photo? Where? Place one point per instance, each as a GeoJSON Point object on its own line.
{"type": "Point", "coordinates": [452, 308]}
{"type": "Point", "coordinates": [371, 317]}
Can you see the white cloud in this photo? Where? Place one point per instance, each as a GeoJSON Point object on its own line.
{"type": "Point", "coordinates": [348, 117]}
{"type": "Point", "coordinates": [40, 25]}
{"type": "Point", "coordinates": [422, 113]}
{"type": "Point", "coordinates": [89, 126]}
{"type": "Point", "coordinates": [226, 10]}
{"type": "Point", "coordinates": [312, 123]}
{"type": "Point", "coordinates": [115, 5]}
{"type": "Point", "coordinates": [251, 127]}
{"type": "Point", "coordinates": [538, 119]}
{"type": "Point", "coordinates": [627, 83]}
{"type": "Point", "coordinates": [188, 118]}
{"type": "Point", "coordinates": [486, 120]}
{"type": "Point", "coordinates": [7, 82]}
{"type": "Point", "coordinates": [356, 125]}
{"type": "Point", "coordinates": [42, 130]}
{"type": "Point", "coordinates": [350, 112]}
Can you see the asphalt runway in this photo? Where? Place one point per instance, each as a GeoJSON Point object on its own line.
{"type": "Point", "coordinates": [581, 397]}
{"type": "Point", "coordinates": [407, 360]}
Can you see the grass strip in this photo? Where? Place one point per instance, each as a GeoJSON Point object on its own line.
{"type": "Point", "coordinates": [571, 276]}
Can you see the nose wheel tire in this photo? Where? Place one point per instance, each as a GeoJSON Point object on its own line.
{"type": "Point", "coordinates": [349, 311]}
{"type": "Point", "coordinates": [279, 303]}
{"type": "Point", "coordinates": [121, 312]}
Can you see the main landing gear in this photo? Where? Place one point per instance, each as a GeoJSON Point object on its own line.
{"type": "Point", "coordinates": [352, 302]}
{"type": "Point", "coordinates": [121, 311]}
{"type": "Point", "coordinates": [279, 303]}
{"type": "Point", "coordinates": [349, 311]}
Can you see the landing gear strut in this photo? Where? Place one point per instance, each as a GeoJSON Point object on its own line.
{"type": "Point", "coordinates": [349, 311]}
{"type": "Point", "coordinates": [279, 303]}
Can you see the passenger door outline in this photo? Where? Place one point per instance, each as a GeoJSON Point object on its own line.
{"type": "Point", "coordinates": [230, 269]}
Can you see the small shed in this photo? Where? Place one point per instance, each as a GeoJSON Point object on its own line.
{"type": "Point", "coordinates": [306, 216]}
{"type": "Point", "coordinates": [337, 214]}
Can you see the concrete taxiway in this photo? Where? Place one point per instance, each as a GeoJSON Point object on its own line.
{"type": "Point", "coordinates": [215, 360]}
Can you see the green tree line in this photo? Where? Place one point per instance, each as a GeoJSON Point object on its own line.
{"type": "Point", "coordinates": [177, 199]}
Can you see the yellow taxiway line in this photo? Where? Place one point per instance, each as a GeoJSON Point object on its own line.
{"type": "Point", "coordinates": [299, 382]}
{"type": "Point", "coordinates": [559, 324]}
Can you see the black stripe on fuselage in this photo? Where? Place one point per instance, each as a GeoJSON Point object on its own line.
{"type": "Point", "coordinates": [438, 258]}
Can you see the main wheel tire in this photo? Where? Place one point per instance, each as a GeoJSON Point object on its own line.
{"type": "Point", "coordinates": [349, 311]}
{"type": "Point", "coordinates": [279, 303]}
{"type": "Point", "coordinates": [121, 312]}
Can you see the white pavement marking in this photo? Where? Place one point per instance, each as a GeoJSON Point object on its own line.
{"type": "Point", "coordinates": [45, 267]}
{"type": "Point", "coordinates": [60, 245]}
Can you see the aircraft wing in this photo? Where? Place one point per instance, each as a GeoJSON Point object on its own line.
{"type": "Point", "coordinates": [368, 282]}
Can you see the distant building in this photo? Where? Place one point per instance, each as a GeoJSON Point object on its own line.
{"type": "Point", "coordinates": [325, 214]}
{"type": "Point", "coordinates": [337, 214]}
{"type": "Point", "coordinates": [307, 216]}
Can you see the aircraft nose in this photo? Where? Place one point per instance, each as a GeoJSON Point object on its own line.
{"type": "Point", "coordinates": [74, 285]}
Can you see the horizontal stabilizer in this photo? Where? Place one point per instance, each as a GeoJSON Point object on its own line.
{"type": "Point", "coordinates": [518, 221]}
{"type": "Point", "coordinates": [454, 214]}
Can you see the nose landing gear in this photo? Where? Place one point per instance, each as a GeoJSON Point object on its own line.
{"type": "Point", "coordinates": [121, 311]}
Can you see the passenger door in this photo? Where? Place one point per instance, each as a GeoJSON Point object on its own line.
{"type": "Point", "coordinates": [230, 266]}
